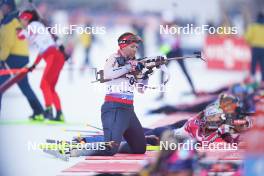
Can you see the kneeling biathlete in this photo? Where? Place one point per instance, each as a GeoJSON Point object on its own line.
{"type": "Point", "coordinates": [117, 113]}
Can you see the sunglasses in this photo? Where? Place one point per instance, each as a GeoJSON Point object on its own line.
{"type": "Point", "coordinates": [130, 39]}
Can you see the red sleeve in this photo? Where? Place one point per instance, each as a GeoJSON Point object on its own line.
{"type": "Point", "coordinates": [193, 123]}
{"type": "Point", "coordinates": [192, 127]}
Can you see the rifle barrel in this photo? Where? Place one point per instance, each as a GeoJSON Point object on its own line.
{"type": "Point", "coordinates": [180, 58]}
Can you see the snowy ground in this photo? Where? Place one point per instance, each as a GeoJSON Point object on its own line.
{"type": "Point", "coordinates": [81, 103]}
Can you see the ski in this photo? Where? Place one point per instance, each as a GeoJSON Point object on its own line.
{"type": "Point", "coordinates": [57, 154]}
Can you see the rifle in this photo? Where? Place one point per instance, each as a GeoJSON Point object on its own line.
{"type": "Point", "coordinates": [148, 64]}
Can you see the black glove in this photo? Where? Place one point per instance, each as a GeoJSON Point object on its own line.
{"type": "Point", "coordinates": [65, 54]}
{"type": "Point", "coordinates": [160, 58]}
{"type": "Point", "coordinates": [139, 67]}
{"type": "Point", "coordinates": [159, 61]}
{"type": "Point", "coordinates": [121, 61]}
{"type": "Point", "coordinates": [31, 68]}
{"type": "Point", "coordinates": [146, 74]}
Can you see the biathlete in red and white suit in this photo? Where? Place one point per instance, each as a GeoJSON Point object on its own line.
{"type": "Point", "coordinates": [207, 127]}
{"type": "Point", "coordinates": [38, 36]}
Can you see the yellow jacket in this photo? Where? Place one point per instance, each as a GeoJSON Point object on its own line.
{"type": "Point", "coordinates": [10, 44]}
{"type": "Point", "coordinates": [85, 40]}
{"type": "Point", "coordinates": [255, 35]}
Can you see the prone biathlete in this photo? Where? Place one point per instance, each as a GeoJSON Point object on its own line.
{"type": "Point", "coordinates": [207, 126]}
{"type": "Point", "coordinates": [38, 37]}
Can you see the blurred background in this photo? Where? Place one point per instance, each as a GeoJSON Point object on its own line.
{"type": "Point", "coordinates": [143, 18]}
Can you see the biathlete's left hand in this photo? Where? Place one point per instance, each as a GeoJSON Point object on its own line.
{"type": "Point", "coordinates": [31, 68]}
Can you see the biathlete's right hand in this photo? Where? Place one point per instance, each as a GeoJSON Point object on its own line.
{"type": "Point", "coordinates": [32, 67]}
{"type": "Point", "coordinates": [136, 66]}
